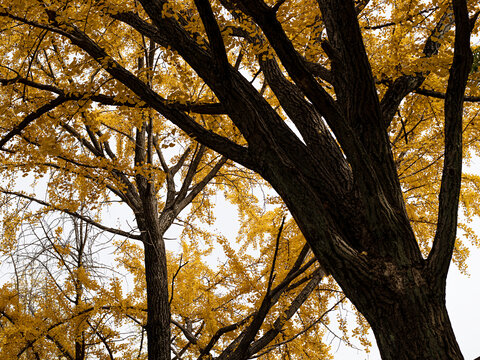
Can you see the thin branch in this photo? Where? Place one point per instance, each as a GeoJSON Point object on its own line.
{"type": "Point", "coordinates": [180, 266]}
{"type": "Point", "coordinates": [201, 184]}
{"type": "Point", "coordinates": [32, 117]}
{"type": "Point", "coordinates": [192, 169]}
{"type": "Point", "coordinates": [141, 343]}
{"type": "Point", "coordinates": [188, 334]}
{"type": "Point", "coordinates": [439, 95]}
{"type": "Point", "coordinates": [207, 108]}
{"type": "Point", "coordinates": [288, 314]}
{"type": "Point", "coordinates": [103, 339]}
{"type": "Point", "coordinates": [204, 353]}
{"type": "Point", "coordinates": [301, 332]}
{"type": "Point", "coordinates": [75, 214]}
{"type": "Point", "coordinates": [272, 270]}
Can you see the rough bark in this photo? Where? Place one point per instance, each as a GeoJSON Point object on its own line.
{"type": "Point", "coordinates": [416, 326]}
{"type": "Point", "coordinates": [156, 276]}
{"type": "Point", "coordinates": [158, 309]}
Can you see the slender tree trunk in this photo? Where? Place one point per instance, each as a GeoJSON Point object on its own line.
{"type": "Point", "coordinates": [156, 276]}
{"type": "Point", "coordinates": [158, 304]}
{"type": "Point", "coordinates": [79, 350]}
{"type": "Point", "coordinates": [158, 307]}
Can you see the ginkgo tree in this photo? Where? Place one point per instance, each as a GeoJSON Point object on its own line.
{"type": "Point", "coordinates": [352, 111]}
{"type": "Point", "coordinates": [87, 153]}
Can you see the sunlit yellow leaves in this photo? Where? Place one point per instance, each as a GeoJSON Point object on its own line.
{"type": "Point", "coordinates": [105, 144]}
{"type": "Point", "coordinates": [47, 310]}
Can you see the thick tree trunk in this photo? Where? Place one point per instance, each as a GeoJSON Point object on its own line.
{"type": "Point", "coordinates": [414, 326]}
{"type": "Point", "coordinates": [158, 307]}
{"type": "Point", "coordinates": [400, 295]}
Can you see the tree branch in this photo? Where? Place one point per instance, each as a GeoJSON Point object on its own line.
{"type": "Point", "coordinates": [204, 353]}
{"type": "Point", "coordinates": [239, 348]}
{"type": "Point", "coordinates": [215, 39]}
{"type": "Point", "coordinates": [74, 214]}
{"type": "Point", "coordinates": [440, 256]}
{"type": "Point", "coordinates": [299, 333]}
{"type": "Point", "coordinates": [439, 95]}
{"type": "Point", "coordinates": [32, 117]}
{"type": "Point", "coordinates": [190, 337]}
{"type": "Point", "coordinates": [207, 108]}
{"type": "Point", "coordinates": [263, 341]}
{"type": "Point", "coordinates": [201, 184]}
{"type": "Point", "coordinates": [271, 277]}
{"type": "Point", "coordinates": [192, 169]}
{"type": "Point", "coordinates": [292, 61]}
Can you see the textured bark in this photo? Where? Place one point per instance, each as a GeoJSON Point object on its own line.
{"type": "Point", "coordinates": [158, 309]}
{"type": "Point", "coordinates": [156, 276]}
{"type": "Point", "coordinates": [415, 326]}
{"type": "Point", "coordinates": [423, 334]}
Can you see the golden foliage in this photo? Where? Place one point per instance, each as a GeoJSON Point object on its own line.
{"type": "Point", "coordinates": [86, 152]}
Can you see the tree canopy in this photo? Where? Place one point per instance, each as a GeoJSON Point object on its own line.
{"type": "Point", "coordinates": [359, 114]}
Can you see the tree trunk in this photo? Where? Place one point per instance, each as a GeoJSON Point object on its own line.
{"type": "Point", "coordinates": [415, 326]}
{"type": "Point", "coordinates": [156, 275]}
{"type": "Point", "coordinates": [400, 294]}
{"type": "Point", "coordinates": [158, 307]}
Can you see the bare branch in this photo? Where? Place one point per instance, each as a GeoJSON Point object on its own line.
{"type": "Point", "coordinates": [201, 184]}
{"type": "Point", "coordinates": [299, 333]}
{"type": "Point", "coordinates": [188, 334]}
{"type": "Point", "coordinates": [74, 214]}
{"type": "Point", "coordinates": [214, 35]}
{"type": "Point", "coordinates": [204, 353]}
{"type": "Point", "coordinates": [287, 315]}
{"type": "Point", "coordinates": [208, 108]}
{"type": "Point", "coordinates": [271, 277]}
{"type": "Point", "coordinates": [439, 95]}
{"type": "Point", "coordinates": [180, 266]}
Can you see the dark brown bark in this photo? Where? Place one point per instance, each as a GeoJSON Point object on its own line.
{"type": "Point", "coordinates": [156, 275]}
{"type": "Point", "coordinates": [415, 326]}
{"type": "Point", "coordinates": [158, 308]}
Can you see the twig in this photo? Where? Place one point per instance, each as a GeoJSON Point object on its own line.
{"type": "Point", "coordinates": [180, 266]}
{"type": "Point", "coordinates": [272, 270]}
